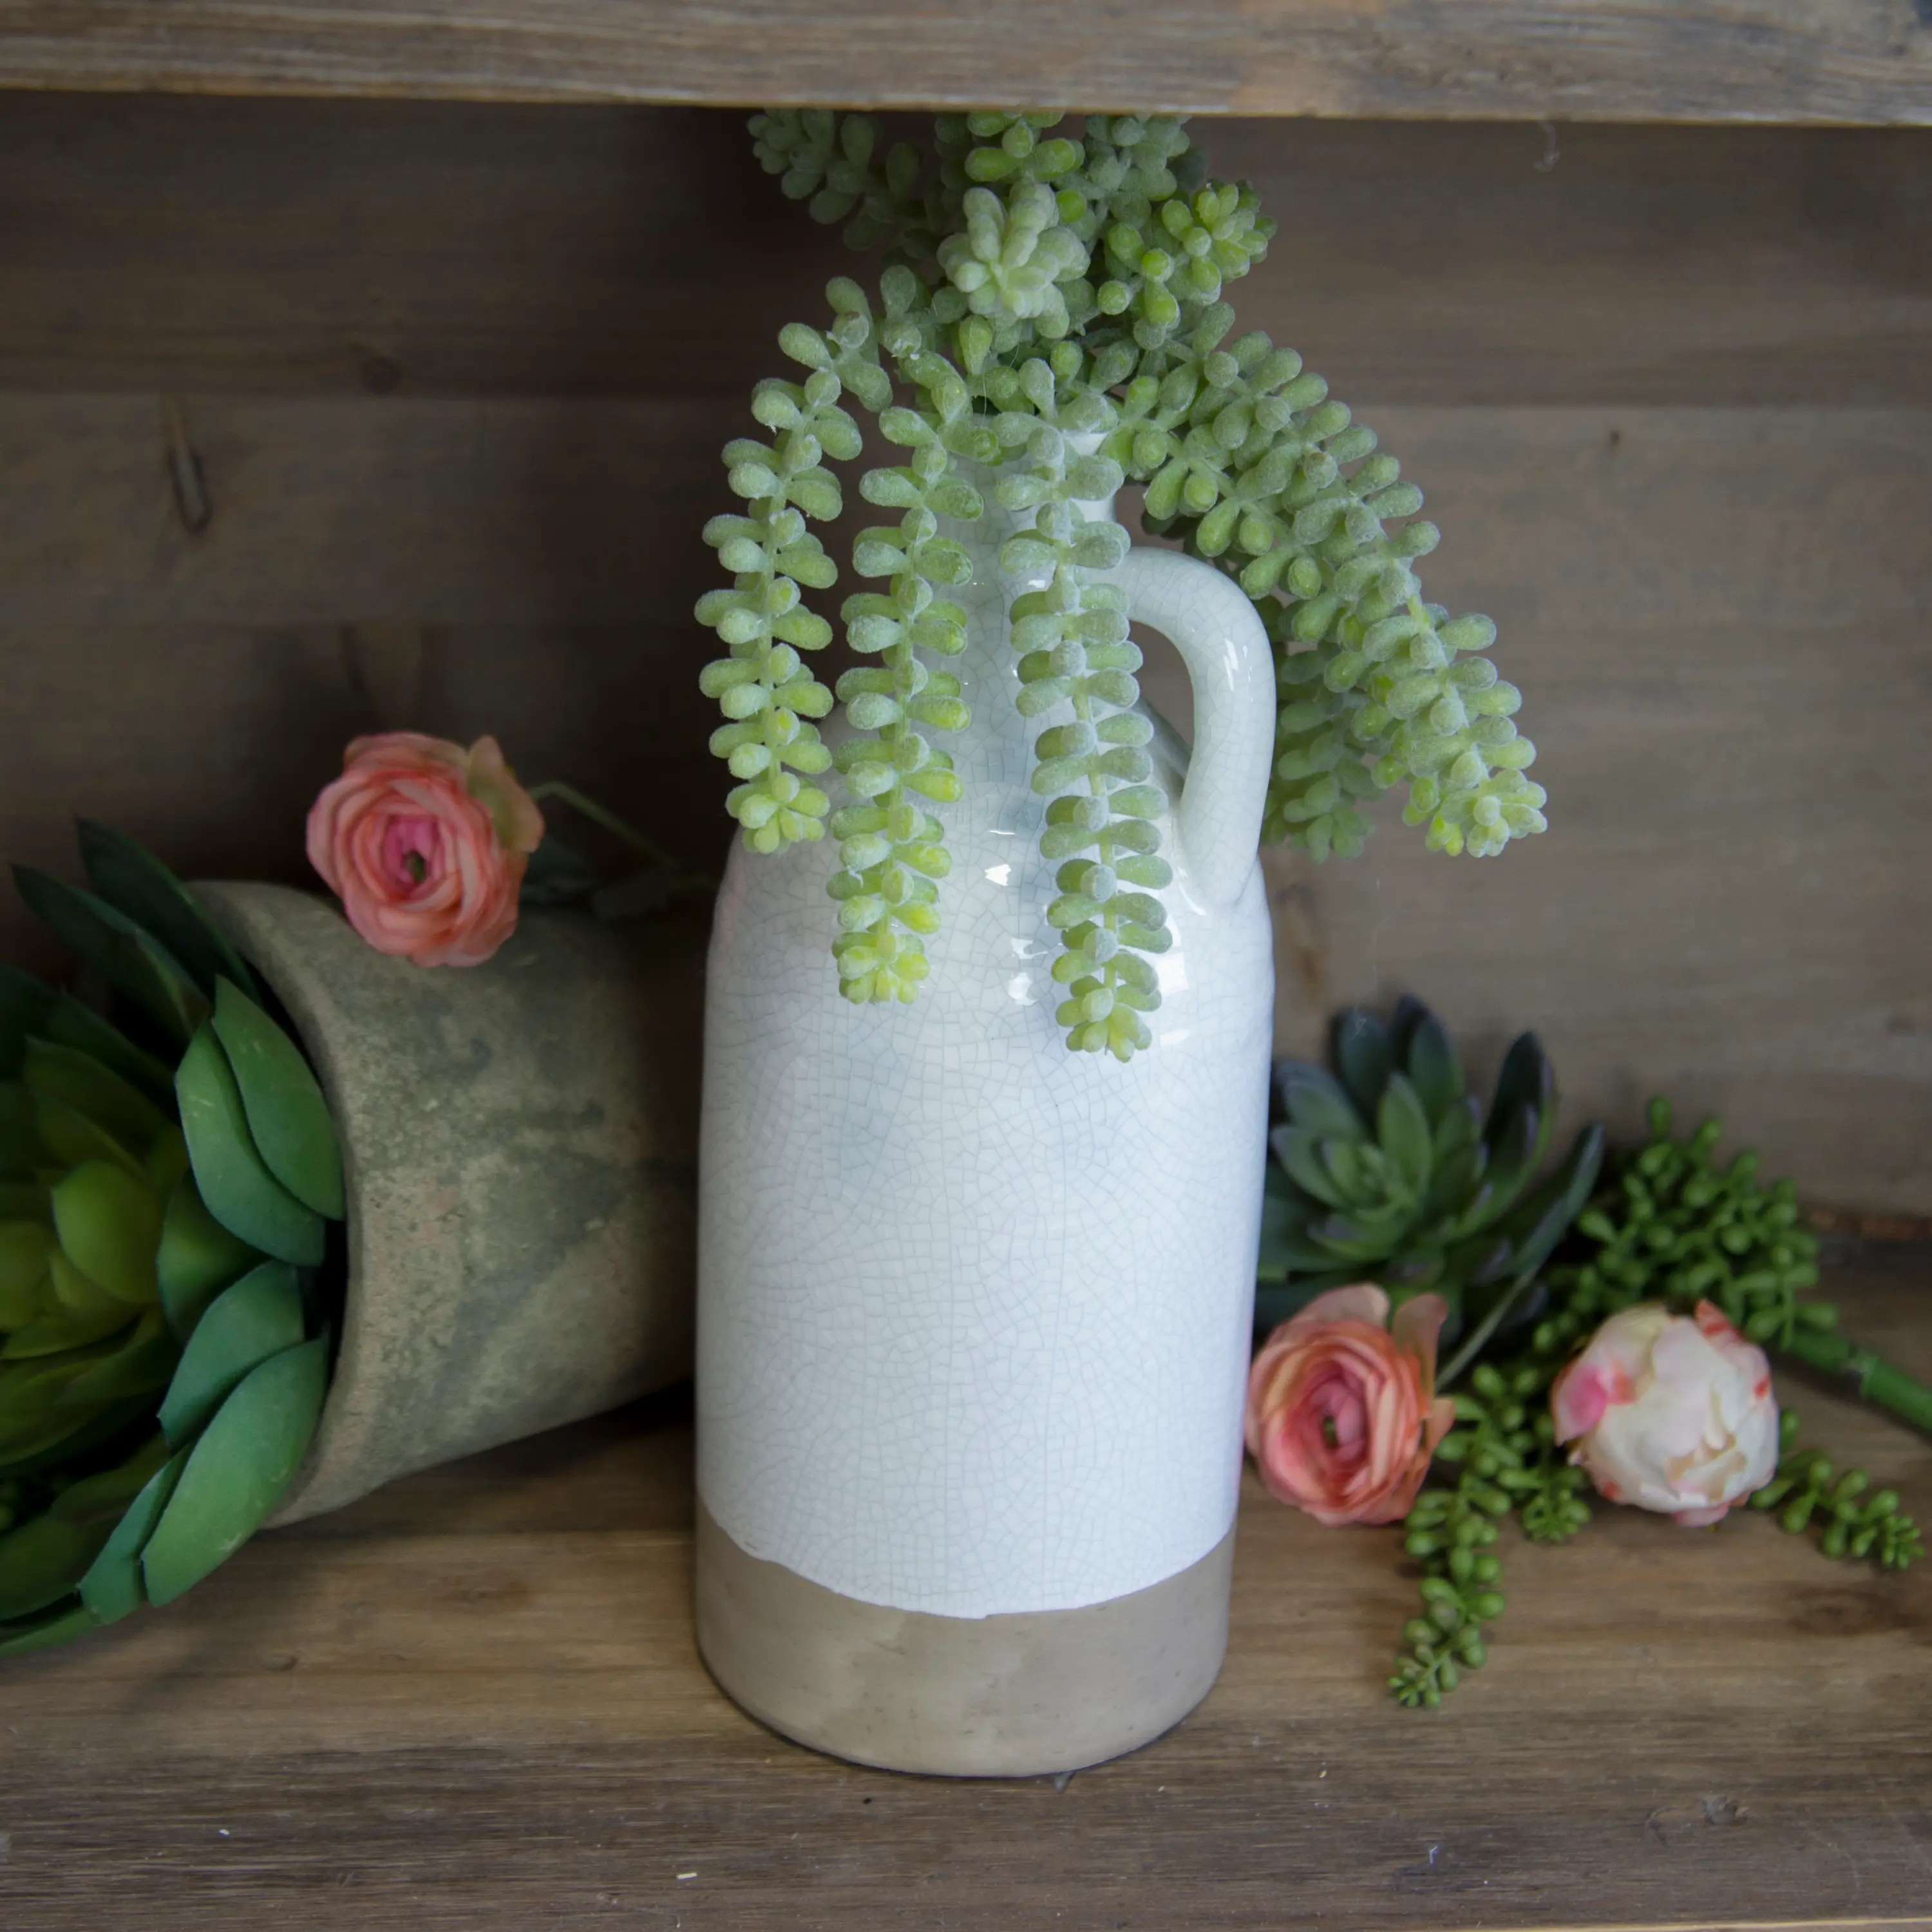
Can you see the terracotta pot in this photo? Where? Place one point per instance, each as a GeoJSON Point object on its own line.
{"type": "Point", "coordinates": [519, 1141]}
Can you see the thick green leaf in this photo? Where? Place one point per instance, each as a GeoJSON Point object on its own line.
{"type": "Point", "coordinates": [144, 1363]}
{"type": "Point", "coordinates": [1363, 1053]}
{"type": "Point", "coordinates": [234, 1184]}
{"type": "Point", "coordinates": [1356, 1170]}
{"type": "Point", "coordinates": [1527, 1080]}
{"type": "Point", "coordinates": [1454, 1182]}
{"type": "Point", "coordinates": [1409, 1011]}
{"type": "Point", "coordinates": [25, 1247]}
{"type": "Point", "coordinates": [1300, 1154]}
{"type": "Point", "coordinates": [237, 1470]}
{"type": "Point", "coordinates": [53, 1434]}
{"type": "Point", "coordinates": [66, 1073]}
{"type": "Point", "coordinates": [1401, 1127]}
{"type": "Point", "coordinates": [1284, 1249]}
{"type": "Point", "coordinates": [112, 1587]}
{"type": "Point", "coordinates": [1433, 1065]}
{"type": "Point", "coordinates": [109, 1224]}
{"type": "Point", "coordinates": [78, 1293]}
{"type": "Point", "coordinates": [130, 878]}
{"type": "Point", "coordinates": [53, 1625]}
{"type": "Point", "coordinates": [88, 1433]}
{"type": "Point", "coordinates": [1485, 1257]}
{"type": "Point", "coordinates": [1315, 1100]}
{"type": "Point", "coordinates": [260, 1316]}
{"type": "Point", "coordinates": [1513, 1157]}
{"type": "Point", "coordinates": [1412, 1270]}
{"type": "Point", "coordinates": [57, 1333]}
{"type": "Point", "coordinates": [21, 1154]}
{"type": "Point", "coordinates": [1459, 1125]}
{"type": "Point", "coordinates": [1538, 1223]}
{"type": "Point", "coordinates": [167, 1159]}
{"type": "Point", "coordinates": [198, 1257]}
{"type": "Point", "coordinates": [70, 1137]}
{"type": "Point", "coordinates": [108, 1492]}
{"type": "Point", "coordinates": [133, 962]}
{"type": "Point", "coordinates": [1349, 1241]}
{"type": "Point", "coordinates": [78, 1312]}
{"type": "Point", "coordinates": [71, 1023]}
{"type": "Point", "coordinates": [43, 1560]}
{"type": "Point", "coordinates": [1304, 1259]}
{"type": "Point", "coordinates": [25, 1006]}
{"type": "Point", "coordinates": [287, 1115]}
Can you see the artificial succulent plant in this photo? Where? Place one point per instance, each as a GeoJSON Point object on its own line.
{"type": "Point", "coordinates": [1049, 322]}
{"type": "Point", "coordinates": [1671, 1226]}
{"type": "Point", "coordinates": [166, 1183]}
{"type": "Point", "coordinates": [1388, 1170]}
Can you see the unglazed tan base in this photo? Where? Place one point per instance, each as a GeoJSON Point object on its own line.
{"type": "Point", "coordinates": [1001, 1697]}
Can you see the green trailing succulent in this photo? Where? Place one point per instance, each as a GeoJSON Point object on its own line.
{"type": "Point", "coordinates": [1807, 1492]}
{"type": "Point", "coordinates": [166, 1187]}
{"type": "Point", "coordinates": [1049, 323]}
{"type": "Point", "coordinates": [1671, 1226]}
{"type": "Point", "coordinates": [1388, 1170]}
{"type": "Point", "coordinates": [1677, 1227]}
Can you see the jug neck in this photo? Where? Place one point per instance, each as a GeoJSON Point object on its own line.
{"type": "Point", "coordinates": [988, 668]}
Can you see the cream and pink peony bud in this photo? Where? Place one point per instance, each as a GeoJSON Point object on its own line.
{"type": "Point", "coordinates": [425, 844]}
{"type": "Point", "coordinates": [1670, 1412]}
{"type": "Point", "coordinates": [1342, 1415]}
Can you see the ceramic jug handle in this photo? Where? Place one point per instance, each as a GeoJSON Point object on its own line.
{"type": "Point", "coordinates": [1219, 634]}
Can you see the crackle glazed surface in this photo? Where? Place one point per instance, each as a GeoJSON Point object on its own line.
{"type": "Point", "coordinates": [973, 1309]}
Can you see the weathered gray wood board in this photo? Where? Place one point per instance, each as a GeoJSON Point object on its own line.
{"type": "Point", "coordinates": [456, 377]}
{"type": "Point", "coordinates": [393, 249]}
{"type": "Point", "coordinates": [472, 1701]}
{"type": "Point", "coordinates": [1749, 60]}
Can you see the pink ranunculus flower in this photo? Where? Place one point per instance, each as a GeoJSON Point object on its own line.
{"type": "Point", "coordinates": [1671, 1412]}
{"type": "Point", "coordinates": [425, 845]}
{"type": "Point", "coordinates": [1343, 1413]}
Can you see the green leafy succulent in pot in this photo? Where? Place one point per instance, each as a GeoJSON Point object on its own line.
{"type": "Point", "coordinates": [1388, 1170]}
{"type": "Point", "coordinates": [168, 1178]}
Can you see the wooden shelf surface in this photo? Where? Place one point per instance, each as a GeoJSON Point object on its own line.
{"type": "Point", "coordinates": [472, 1701]}
{"type": "Point", "coordinates": [1846, 61]}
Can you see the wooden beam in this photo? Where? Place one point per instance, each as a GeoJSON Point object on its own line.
{"type": "Point", "coordinates": [1850, 61]}
{"type": "Point", "coordinates": [410, 249]}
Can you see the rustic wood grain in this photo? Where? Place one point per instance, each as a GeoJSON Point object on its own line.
{"type": "Point", "coordinates": [472, 1701]}
{"type": "Point", "coordinates": [1751, 60]}
{"type": "Point", "coordinates": [415, 249]}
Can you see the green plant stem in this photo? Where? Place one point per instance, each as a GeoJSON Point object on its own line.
{"type": "Point", "coordinates": [1474, 1342]}
{"type": "Point", "coordinates": [1879, 1381]}
{"type": "Point", "coordinates": [598, 815]}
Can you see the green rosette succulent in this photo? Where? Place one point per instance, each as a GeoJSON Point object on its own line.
{"type": "Point", "coordinates": [166, 1184]}
{"type": "Point", "coordinates": [1387, 1170]}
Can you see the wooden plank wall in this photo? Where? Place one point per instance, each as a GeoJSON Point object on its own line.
{"type": "Point", "coordinates": [315, 416]}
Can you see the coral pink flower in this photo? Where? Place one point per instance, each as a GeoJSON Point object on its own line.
{"type": "Point", "coordinates": [1670, 1412]}
{"type": "Point", "coordinates": [1342, 1413]}
{"type": "Point", "coordinates": [425, 844]}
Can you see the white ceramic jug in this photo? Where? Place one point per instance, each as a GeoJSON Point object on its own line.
{"type": "Point", "coordinates": [973, 1309]}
